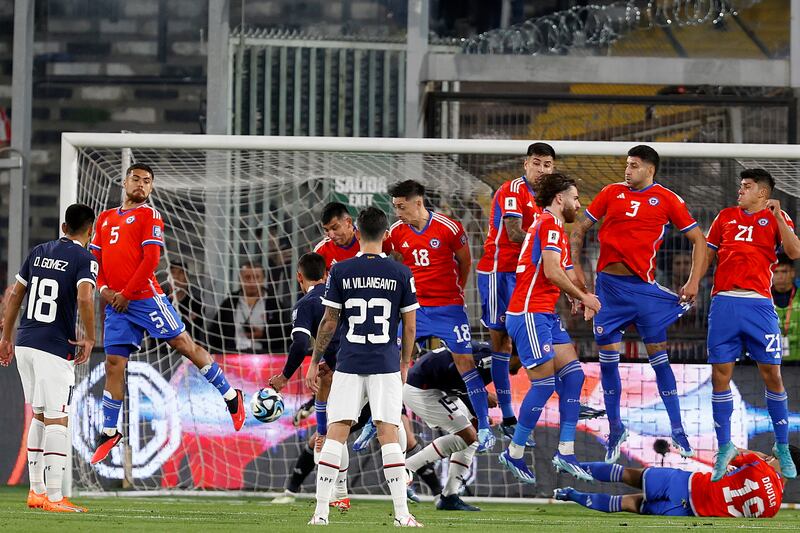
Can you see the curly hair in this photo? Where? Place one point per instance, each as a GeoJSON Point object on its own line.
{"type": "Point", "coordinates": [549, 185]}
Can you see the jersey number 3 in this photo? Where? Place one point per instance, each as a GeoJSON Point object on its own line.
{"type": "Point", "coordinates": [381, 318]}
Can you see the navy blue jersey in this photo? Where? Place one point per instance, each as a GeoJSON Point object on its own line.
{"type": "Point", "coordinates": [306, 316]}
{"type": "Point", "coordinates": [436, 370]}
{"type": "Point", "coordinates": [372, 292]}
{"type": "Point", "coordinates": [51, 275]}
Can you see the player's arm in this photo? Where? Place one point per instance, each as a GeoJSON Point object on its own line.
{"type": "Point", "coordinates": [576, 240]}
{"type": "Point", "coordinates": [325, 333]}
{"type": "Point", "coordinates": [513, 225]}
{"type": "Point", "coordinates": [552, 270]}
{"type": "Point", "coordinates": [464, 260]}
{"type": "Point", "coordinates": [789, 241]}
{"type": "Point", "coordinates": [13, 305]}
{"type": "Point", "coordinates": [699, 264]}
{"type": "Point", "coordinates": [297, 352]}
{"type": "Point", "coordinates": [409, 336]}
{"type": "Point", "coordinates": [86, 313]}
{"type": "Point", "coordinates": [150, 259]}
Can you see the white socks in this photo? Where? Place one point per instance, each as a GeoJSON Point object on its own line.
{"type": "Point", "coordinates": [327, 471]}
{"type": "Point", "coordinates": [55, 459]}
{"type": "Point", "coordinates": [515, 450]}
{"type": "Point", "coordinates": [394, 470]}
{"type": "Point", "coordinates": [459, 468]}
{"type": "Point", "coordinates": [35, 446]}
{"type": "Point", "coordinates": [438, 449]}
{"type": "Point", "coordinates": [340, 488]}
{"type": "Point", "coordinates": [566, 448]}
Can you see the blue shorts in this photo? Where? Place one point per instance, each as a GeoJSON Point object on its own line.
{"type": "Point", "coordinates": [448, 323]}
{"type": "Point", "coordinates": [495, 290]}
{"type": "Point", "coordinates": [628, 300]}
{"type": "Point", "coordinates": [666, 492]}
{"type": "Point", "coordinates": [750, 323]}
{"type": "Point", "coordinates": [154, 315]}
{"type": "Point", "coordinates": [535, 334]}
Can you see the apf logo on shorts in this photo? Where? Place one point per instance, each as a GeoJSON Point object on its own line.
{"type": "Point", "coordinates": [598, 330]}
{"type": "Point", "coordinates": [435, 243]}
{"type": "Point", "coordinates": [153, 403]}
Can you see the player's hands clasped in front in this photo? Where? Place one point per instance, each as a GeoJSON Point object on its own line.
{"type": "Point", "coordinates": [591, 305]}
{"type": "Point", "coordinates": [6, 352]}
{"type": "Point", "coordinates": [311, 378]}
{"type": "Point", "coordinates": [83, 350]}
{"type": "Point", "coordinates": [120, 303]}
{"type": "Point", "coordinates": [486, 439]}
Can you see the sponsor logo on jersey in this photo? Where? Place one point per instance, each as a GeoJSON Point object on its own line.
{"type": "Point", "coordinates": [763, 221]}
{"type": "Point", "coordinates": [405, 245]}
{"type": "Point", "coordinates": [156, 232]}
{"type": "Point", "coordinates": [435, 243]}
{"type": "Point", "coordinates": [130, 219]}
{"type": "Point", "coordinates": [652, 200]}
{"type": "Point", "coordinates": [621, 195]}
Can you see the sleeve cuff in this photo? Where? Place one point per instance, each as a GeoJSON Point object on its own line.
{"type": "Point", "coordinates": [553, 248]}
{"type": "Point", "coordinates": [21, 280]}
{"type": "Point", "coordinates": [328, 303]}
{"type": "Point", "coordinates": [591, 216]}
{"type": "Point", "coordinates": [712, 246]}
{"type": "Point", "coordinates": [689, 227]}
{"type": "Point", "coordinates": [94, 247]}
{"type": "Point", "coordinates": [86, 280]}
{"type": "Point", "coordinates": [300, 330]}
{"type": "Point", "coordinates": [515, 215]}
{"type": "Point", "coordinates": [571, 267]}
{"type": "Point", "coordinates": [411, 307]}
{"type": "Point", "coordinates": [152, 241]}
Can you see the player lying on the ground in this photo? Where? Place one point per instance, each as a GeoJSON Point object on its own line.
{"type": "Point", "coordinates": [58, 278]}
{"type": "Point", "coordinates": [753, 488]}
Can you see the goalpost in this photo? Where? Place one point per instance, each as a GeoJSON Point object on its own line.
{"type": "Point", "coordinates": [231, 200]}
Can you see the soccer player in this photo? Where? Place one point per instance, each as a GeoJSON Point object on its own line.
{"type": "Point", "coordinates": [58, 277]}
{"type": "Point", "coordinates": [754, 489]}
{"type": "Point", "coordinates": [371, 294]}
{"type": "Point", "coordinates": [340, 241]}
{"type": "Point", "coordinates": [636, 214]}
{"type": "Point", "coordinates": [745, 240]}
{"type": "Point", "coordinates": [433, 392]}
{"type": "Point", "coordinates": [513, 211]}
{"type": "Point", "coordinates": [127, 244]}
{"type": "Point", "coordinates": [435, 248]}
{"type": "Point", "coordinates": [545, 349]}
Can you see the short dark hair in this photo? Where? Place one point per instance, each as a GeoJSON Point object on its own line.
{"type": "Point", "coordinates": [312, 266]}
{"type": "Point", "coordinates": [372, 223]}
{"type": "Point", "coordinates": [542, 150]}
{"type": "Point", "coordinates": [334, 210]}
{"type": "Point", "coordinates": [549, 185]}
{"type": "Point", "coordinates": [784, 259]}
{"type": "Point", "coordinates": [759, 175]}
{"type": "Point", "coordinates": [252, 264]}
{"type": "Point", "coordinates": [78, 218]}
{"type": "Point", "coordinates": [141, 166]}
{"type": "Point", "coordinates": [407, 189]}
{"type": "Point", "coordinates": [645, 153]}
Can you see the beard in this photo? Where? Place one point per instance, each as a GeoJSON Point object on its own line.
{"type": "Point", "coordinates": [569, 214]}
{"type": "Point", "coordinates": [137, 197]}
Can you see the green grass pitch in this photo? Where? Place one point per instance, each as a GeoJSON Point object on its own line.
{"type": "Point", "coordinates": [201, 515]}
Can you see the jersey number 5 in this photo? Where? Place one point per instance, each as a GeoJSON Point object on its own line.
{"type": "Point", "coordinates": [381, 318]}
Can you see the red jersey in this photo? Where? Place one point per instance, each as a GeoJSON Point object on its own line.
{"type": "Point", "coordinates": [534, 293]}
{"type": "Point", "coordinates": [754, 490]}
{"type": "Point", "coordinates": [635, 224]}
{"type": "Point", "coordinates": [513, 199]}
{"type": "Point", "coordinates": [746, 245]}
{"type": "Point", "coordinates": [430, 254]}
{"type": "Point", "coordinates": [118, 243]}
{"type": "Point", "coordinates": [333, 253]}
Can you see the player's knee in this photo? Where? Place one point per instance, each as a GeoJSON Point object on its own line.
{"type": "Point", "coordinates": [655, 347]}
{"type": "Point", "coordinates": [183, 344]}
{"type": "Point", "coordinates": [463, 362]}
{"type": "Point", "coordinates": [115, 366]}
{"type": "Point", "coordinates": [468, 435]}
{"type": "Point", "coordinates": [772, 377]}
{"type": "Point", "coordinates": [721, 376]}
{"type": "Point", "coordinates": [54, 417]}
{"type": "Point", "coordinates": [632, 503]}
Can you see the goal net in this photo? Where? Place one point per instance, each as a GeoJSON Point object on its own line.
{"type": "Point", "coordinates": [230, 203]}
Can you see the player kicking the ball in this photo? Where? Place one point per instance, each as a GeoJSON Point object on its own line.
{"type": "Point", "coordinates": [371, 294]}
{"type": "Point", "coordinates": [545, 349]}
{"type": "Point", "coordinates": [127, 243]}
{"type": "Point", "coordinates": [58, 277]}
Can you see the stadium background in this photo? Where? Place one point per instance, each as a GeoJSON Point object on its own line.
{"type": "Point", "coordinates": [143, 67]}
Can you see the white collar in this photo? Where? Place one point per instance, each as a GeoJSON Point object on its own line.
{"type": "Point", "coordinates": [359, 254]}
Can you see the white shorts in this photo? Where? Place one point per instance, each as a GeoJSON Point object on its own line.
{"type": "Point", "coordinates": [47, 381]}
{"type": "Point", "coordinates": [351, 392]}
{"type": "Point", "coordinates": [437, 409]}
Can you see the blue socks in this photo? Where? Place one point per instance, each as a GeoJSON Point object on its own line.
{"type": "Point", "coordinates": [722, 409]}
{"type": "Point", "coordinates": [667, 387]}
{"type": "Point", "coordinates": [571, 378]}
{"type": "Point", "coordinates": [477, 396]}
{"type": "Point", "coordinates": [214, 375]}
{"type": "Point", "coordinates": [321, 410]}
{"type": "Point", "coordinates": [597, 501]}
{"type": "Point", "coordinates": [111, 409]}
{"type": "Point", "coordinates": [502, 382]}
{"type": "Point", "coordinates": [612, 387]}
{"type": "Point", "coordinates": [532, 407]}
{"type": "Point", "coordinates": [778, 407]}
{"type": "Point", "coordinates": [602, 471]}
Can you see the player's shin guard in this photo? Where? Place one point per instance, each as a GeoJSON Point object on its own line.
{"type": "Point", "coordinates": [214, 375]}
{"type": "Point", "coordinates": [111, 409]}
{"type": "Point", "coordinates": [602, 471]}
{"type": "Point", "coordinates": [502, 382]}
{"type": "Point", "coordinates": [532, 407]}
{"type": "Point", "coordinates": [477, 396]}
{"type": "Point", "coordinates": [327, 471]}
{"type": "Point", "coordinates": [394, 470]}
{"type": "Point", "coordinates": [721, 410]}
{"type": "Point", "coordinates": [612, 387]}
{"type": "Point", "coordinates": [35, 445]}
{"type": "Point", "coordinates": [571, 377]}
{"type": "Point", "coordinates": [302, 468]}
{"type": "Point", "coordinates": [459, 469]}
{"type": "Point", "coordinates": [440, 448]}
{"type": "Point", "coordinates": [340, 488]}
{"type": "Point", "coordinates": [665, 379]}
{"type": "Point", "coordinates": [55, 459]}
{"type": "Point", "coordinates": [321, 412]}
{"type": "Point", "coordinates": [605, 503]}
{"type": "Point", "coordinates": [778, 408]}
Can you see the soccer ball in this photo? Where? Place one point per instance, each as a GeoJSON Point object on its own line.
{"type": "Point", "coordinates": [266, 405]}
